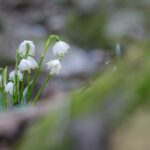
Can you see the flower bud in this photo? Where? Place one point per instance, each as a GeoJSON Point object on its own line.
{"type": "Point", "coordinates": [23, 48]}
{"type": "Point", "coordinates": [9, 88]}
{"type": "Point", "coordinates": [12, 75]}
{"type": "Point", "coordinates": [60, 48]}
{"type": "Point", "coordinates": [54, 66]}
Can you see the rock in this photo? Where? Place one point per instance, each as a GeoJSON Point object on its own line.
{"type": "Point", "coordinates": [77, 60]}
{"type": "Point", "coordinates": [125, 23]}
{"type": "Point", "coordinates": [86, 6]}
{"type": "Point", "coordinates": [56, 23]}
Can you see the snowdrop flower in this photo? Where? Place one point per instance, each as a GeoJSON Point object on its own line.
{"type": "Point", "coordinates": [9, 88]}
{"type": "Point", "coordinates": [33, 62]}
{"type": "Point", "coordinates": [60, 48]}
{"type": "Point", "coordinates": [54, 66]}
{"type": "Point", "coordinates": [12, 75]}
{"type": "Point", "coordinates": [23, 48]}
{"type": "Point", "coordinates": [25, 65]}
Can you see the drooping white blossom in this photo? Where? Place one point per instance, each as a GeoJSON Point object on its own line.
{"type": "Point", "coordinates": [23, 48]}
{"type": "Point", "coordinates": [54, 66]}
{"type": "Point", "coordinates": [25, 65]}
{"type": "Point", "coordinates": [12, 75]}
{"type": "Point", "coordinates": [33, 62]}
{"type": "Point", "coordinates": [60, 48]}
{"type": "Point", "coordinates": [9, 88]}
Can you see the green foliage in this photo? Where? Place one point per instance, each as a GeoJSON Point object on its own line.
{"type": "Point", "coordinates": [86, 30]}
{"type": "Point", "coordinates": [129, 84]}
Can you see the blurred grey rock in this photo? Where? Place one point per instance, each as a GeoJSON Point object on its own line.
{"type": "Point", "coordinates": [77, 66]}
{"type": "Point", "coordinates": [79, 61]}
{"type": "Point", "coordinates": [90, 133]}
{"type": "Point", "coordinates": [125, 23]}
{"type": "Point", "coordinates": [57, 22]}
{"type": "Point", "coordinates": [26, 31]}
{"type": "Point", "coordinates": [86, 5]}
{"type": "Point", "coordinates": [15, 34]}
{"type": "Point", "coordinates": [21, 3]}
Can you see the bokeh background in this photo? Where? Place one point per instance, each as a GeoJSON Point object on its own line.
{"type": "Point", "coordinates": [92, 28]}
{"type": "Point", "coordinates": [88, 25]}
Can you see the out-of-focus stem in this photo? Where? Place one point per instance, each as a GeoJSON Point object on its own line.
{"type": "Point", "coordinates": [42, 89]}
{"type": "Point", "coordinates": [16, 86]}
{"type": "Point", "coordinates": [28, 86]}
{"type": "Point", "coordinates": [46, 46]}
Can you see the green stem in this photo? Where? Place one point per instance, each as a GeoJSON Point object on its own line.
{"type": "Point", "coordinates": [16, 80]}
{"type": "Point", "coordinates": [1, 92]}
{"type": "Point", "coordinates": [46, 46]}
{"type": "Point", "coordinates": [23, 80]}
{"type": "Point", "coordinates": [4, 101]}
{"type": "Point", "coordinates": [38, 70]}
{"type": "Point", "coordinates": [22, 87]}
{"type": "Point", "coordinates": [28, 86]}
{"type": "Point", "coordinates": [41, 89]}
{"type": "Point", "coordinates": [13, 97]}
{"type": "Point", "coordinates": [3, 97]}
{"type": "Point", "coordinates": [35, 76]}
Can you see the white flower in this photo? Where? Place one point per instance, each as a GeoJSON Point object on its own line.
{"type": "Point", "coordinates": [9, 88]}
{"type": "Point", "coordinates": [25, 65]}
{"type": "Point", "coordinates": [23, 48]}
{"type": "Point", "coordinates": [54, 66]}
{"type": "Point", "coordinates": [12, 75]}
{"type": "Point", "coordinates": [33, 62]}
{"type": "Point", "coordinates": [60, 48]}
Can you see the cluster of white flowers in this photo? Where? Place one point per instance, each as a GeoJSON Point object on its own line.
{"type": "Point", "coordinates": [26, 51]}
{"type": "Point", "coordinates": [59, 50]}
{"type": "Point", "coordinates": [9, 87]}
{"type": "Point", "coordinates": [27, 63]}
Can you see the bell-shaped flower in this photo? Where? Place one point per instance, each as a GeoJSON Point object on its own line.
{"type": "Point", "coordinates": [23, 48]}
{"type": "Point", "coordinates": [25, 65]}
{"type": "Point", "coordinates": [60, 48]}
{"type": "Point", "coordinates": [12, 75]}
{"type": "Point", "coordinates": [33, 62]}
{"type": "Point", "coordinates": [54, 66]}
{"type": "Point", "coordinates": [9, 88]}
